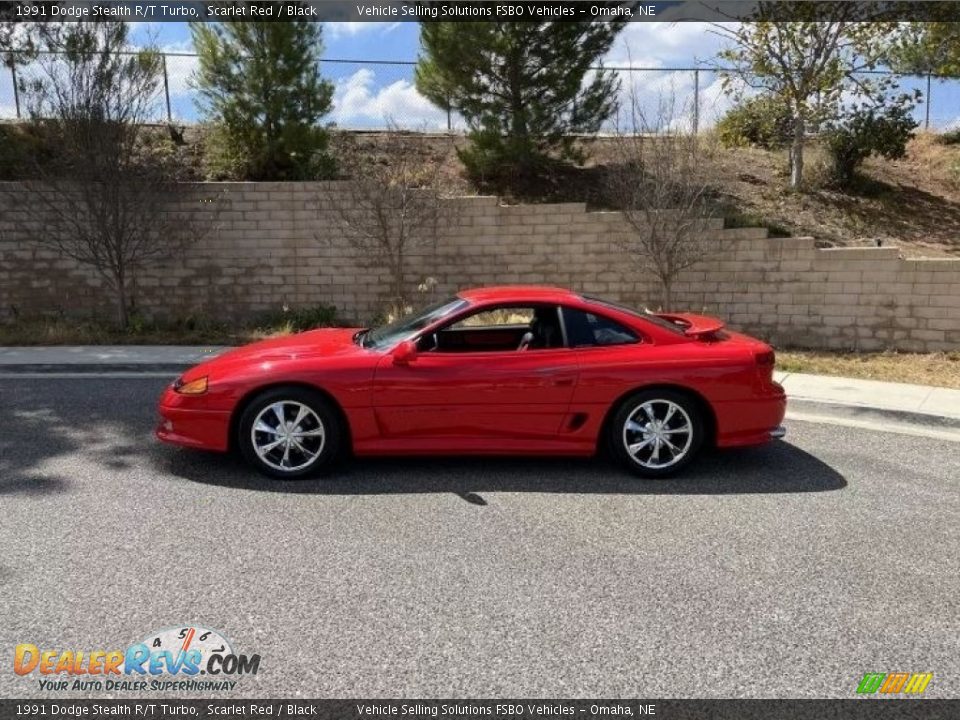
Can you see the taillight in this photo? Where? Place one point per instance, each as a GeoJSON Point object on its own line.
{"type": "Point", "coordinates": [767, 358]}
{"type": "Point", "coordinates": [765, 361]}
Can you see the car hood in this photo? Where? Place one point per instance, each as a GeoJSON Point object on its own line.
{"type": "Point", "coordinates": [326, 342]}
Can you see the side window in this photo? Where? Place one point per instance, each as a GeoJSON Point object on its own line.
{"type": "Point", "coordinates": [496, 318]}
{"type": "Point", "coordinates": [586, 329]}
{"type": "Point", "coordinates": [501, 329]}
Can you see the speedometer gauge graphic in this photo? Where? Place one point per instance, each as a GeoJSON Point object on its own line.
{"type": "Point", "coordinates": [192, 637]}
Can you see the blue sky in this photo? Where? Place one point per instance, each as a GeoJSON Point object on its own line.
{"type": "Point", "coordinates": [368, 96]}
{"type": "Point", "coordinates": [391, 41]}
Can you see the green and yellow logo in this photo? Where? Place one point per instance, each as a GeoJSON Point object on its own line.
{"type": "Point", "coordinates": [894, 683]}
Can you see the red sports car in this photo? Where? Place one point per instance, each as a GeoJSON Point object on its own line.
{"type": "Point", "coordinates": [503, 370]}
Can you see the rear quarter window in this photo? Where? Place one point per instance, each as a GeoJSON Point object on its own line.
{"type": "Point", "coordinates": [646, 315]}
{"type": "Point", "coordinates": [587, 329]}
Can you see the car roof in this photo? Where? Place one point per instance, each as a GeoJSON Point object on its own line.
{"type": "Point", "coordinates": [519, 293]}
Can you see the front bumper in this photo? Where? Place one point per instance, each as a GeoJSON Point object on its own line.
{"type": "Point", "coordinates": [199, 428]}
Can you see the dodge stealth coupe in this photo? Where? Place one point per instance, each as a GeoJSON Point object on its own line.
{"type": "Point", "coordinates": [503, 370]}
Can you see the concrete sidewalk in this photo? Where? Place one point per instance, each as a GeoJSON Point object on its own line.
{"type": "Point", "coordinates": [104, 358]}
{"type": "Point", "coordinates": [897, 397]}
{"type": "Point", "coordinates": [917, 400]}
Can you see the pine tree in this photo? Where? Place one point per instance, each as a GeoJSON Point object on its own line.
{"type": "Point", "coordinates": [523, 88]}
{"type": "Point", "coordinates": [260, 84]}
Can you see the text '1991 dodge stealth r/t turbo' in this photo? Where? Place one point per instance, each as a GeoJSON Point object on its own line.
{"type": "Point", "coordinates": [505, 370]}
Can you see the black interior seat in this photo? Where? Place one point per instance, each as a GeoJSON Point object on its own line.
{"type": "Point", "coordinates": [545, 327]}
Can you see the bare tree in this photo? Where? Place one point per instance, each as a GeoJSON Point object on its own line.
{"type": "Point", "coordinates": [104, 196]}
{"type": "Point", "coordinates": [392, 203]}
{"type": "Point", "coordinates": [661, 187]}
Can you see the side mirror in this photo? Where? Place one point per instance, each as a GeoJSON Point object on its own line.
{"type": "Point", "coordinates": [405, 353]}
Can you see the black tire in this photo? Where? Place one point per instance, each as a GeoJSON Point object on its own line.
{"type": "Point", "coordinates": [660, 402]}
{"type": "Point", "coordinates": [323, 418]}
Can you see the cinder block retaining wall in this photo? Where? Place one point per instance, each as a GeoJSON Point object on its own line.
{"type": "Point", "coordinates": [279, 243]}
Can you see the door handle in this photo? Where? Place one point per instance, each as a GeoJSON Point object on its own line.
{"type": "Point", "coordinates": [560, 377]}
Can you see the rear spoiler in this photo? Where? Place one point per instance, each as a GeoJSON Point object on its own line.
{"type": "Point", "coordinates": [698, 326]}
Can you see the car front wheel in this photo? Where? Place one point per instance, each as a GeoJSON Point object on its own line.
{"type": "Point", "coordinates": [289, 433]}
{"type": "Point", "coordinates": [655, 433]}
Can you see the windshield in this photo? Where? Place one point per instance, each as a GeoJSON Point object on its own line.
{"type": "Point", "coordinates": [407, 327]}
{"type": "Point", "coordinates": [645, 314]}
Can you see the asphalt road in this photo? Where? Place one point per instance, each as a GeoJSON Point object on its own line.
{"type": "Point", "coordinates": [783, 571]}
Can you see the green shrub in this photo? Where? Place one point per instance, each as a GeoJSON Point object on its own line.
{"type": "Point", "coordinates": [222, 158]}
{"type": "Point", "coordinates": [501, 162]}
{"type": "Point", "coordinates": [867, 130]}
{"type": "Point", "coordinates": [23, 148]}
{"type": "Point", "coordinates": [226, 159]}
{"type": "Point", "coordinates": [762, 121]}
{"type": "Point", "coordinates": [949, 137]}
{"type": "Point", "coordinates": [737, 219]}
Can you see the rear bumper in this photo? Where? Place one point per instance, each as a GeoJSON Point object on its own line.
{"type": "Point", "coordinates": [753, 421]}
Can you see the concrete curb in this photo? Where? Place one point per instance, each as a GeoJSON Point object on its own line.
{"type": "Point", "coordinates": [881, 395]}
{"type": "Point", "coordinates": [866, 412]}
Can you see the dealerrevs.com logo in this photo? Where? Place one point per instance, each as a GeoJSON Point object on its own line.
{"type": "Point", "coordinates": [894, 683]}
{"type": "Point", "coordinates": [168, 660]}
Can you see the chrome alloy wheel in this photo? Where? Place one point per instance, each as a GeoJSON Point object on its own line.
{"type": "Point", "coordinates": [658, 434]}
{"type": "Point", "coordinates": [287, 435]}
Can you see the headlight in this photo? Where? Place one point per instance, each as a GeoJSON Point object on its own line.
{"type": "Point", "coordinates": [194, 387]}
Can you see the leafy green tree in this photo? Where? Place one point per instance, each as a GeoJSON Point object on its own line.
{"type": "Point", "coordinates": [260, 84]}
{"type": "Point", "coordinates": [524, 88]}
{"type": "Point", "coordinates": [868, 130]}
{"type": "Point", "coordinates": [929, 47]}
{"type": "Point", "coordinates": [761, 121]}
{"type": "Point", "coordinates": [809, 58]}
{"type": "Point", "coordinates": [20, 38]}
{"type": "Point", "coordinates": [15, 36]}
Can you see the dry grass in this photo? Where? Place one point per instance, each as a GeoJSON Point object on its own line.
{"type": "Point", "coordinates": [940, 369]}
{"type": "Point", "coordinates": [913, 203]}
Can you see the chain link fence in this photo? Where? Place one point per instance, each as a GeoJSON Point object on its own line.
{"type": "Point", "coordinates": [375, 94]}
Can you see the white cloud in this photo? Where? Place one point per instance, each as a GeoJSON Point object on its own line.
{"type": "Point", "coordinates": [357, 102]}
{"type": "Point", "coordinates": [180, 68]}
{"type": "Point", "coordinates": [681, 44]}
{"type": "Point", "coordinates": [660, 91]}
{"type": "Point", "coordinates": [337, 30]}
{"type": "Point", "coordinates": [147, 26]}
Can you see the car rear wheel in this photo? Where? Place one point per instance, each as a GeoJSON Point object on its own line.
{"type": "Point", "coordinates": [289, 433]}
{"type": "Point", "coordinates": [655, 433]}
